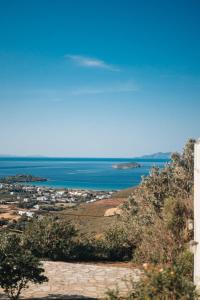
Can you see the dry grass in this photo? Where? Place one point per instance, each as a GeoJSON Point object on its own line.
{"type": "Point", "coordinates": [89, 217]}
{"type": "Point", "coordinates": [8, 212]}
{"type": "Point", "coordinates": [124, 193]}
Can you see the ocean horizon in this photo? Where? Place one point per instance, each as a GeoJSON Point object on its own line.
{"type": "Point", "coordinates": [78, 172]}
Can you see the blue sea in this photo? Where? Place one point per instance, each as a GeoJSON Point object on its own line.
{"type": "Point", "coordinates": [80, 173]}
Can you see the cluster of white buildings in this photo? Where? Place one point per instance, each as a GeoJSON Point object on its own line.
{"type": "Point", "coordinates": [33, 198]}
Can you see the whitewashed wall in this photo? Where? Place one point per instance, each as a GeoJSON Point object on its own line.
{"type": "Point", "coordinates": [197, 214]}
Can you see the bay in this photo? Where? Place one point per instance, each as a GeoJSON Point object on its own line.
{"type": "Point", "coordinates": [80, 173]}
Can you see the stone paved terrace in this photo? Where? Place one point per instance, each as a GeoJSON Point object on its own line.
{"type": "Point", "coordinates": [80, 281]}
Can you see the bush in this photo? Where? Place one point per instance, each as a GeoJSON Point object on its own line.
{"type": "Point", "coordinates": [19, 224]}
{"type": "Point", "coordinates": [162, 282]}
{"type": "Point", "coordinates": [176, 213]}
{"type": "Point", "coordinates": [120, 241]}
{"type": "Point", "coordinates": [175, 180]}
{"type": "Point", "coordinates": [161, 208]}
{"type": "Point", "coordinates": [89, 248]}
{"type": "Point", "coordinates": [27, 205]}
{"type": "Point", "coordinates": [50, 238]}
{"type": "Point", "coordinates": [167, 282]}
{"type": "Point", "coordinates": [157, 245]}
{"type": "Point", "coordinates": [18, 266]}
{"type": "Point", "coordinates": [116, 244]}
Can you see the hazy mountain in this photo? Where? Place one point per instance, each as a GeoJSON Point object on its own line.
{"type": "Point", "coordinates": [158, 155]}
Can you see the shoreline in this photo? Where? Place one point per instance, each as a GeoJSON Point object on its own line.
{"type": "Point", "coordinates": [35, 184]}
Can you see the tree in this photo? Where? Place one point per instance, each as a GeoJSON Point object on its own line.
{"type": "Point", "coordinates": [18, 266]}
{"type": "Point", "coordinates": [174, 180]}
{"type": "Point", "coordinates": [161, 207]}
{"type": "Point", "coordinates": [160, 210]}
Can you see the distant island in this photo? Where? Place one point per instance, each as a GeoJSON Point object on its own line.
{"type": "Point", "coordinates": [124, 166]}
{"type": "Point", "coordinates": [21, 178]}
{"type": "Point", "coordinates": [158, 155]}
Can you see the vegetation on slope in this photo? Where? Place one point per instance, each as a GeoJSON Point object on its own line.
{"type": "Point", "coordinates": [159, 215]}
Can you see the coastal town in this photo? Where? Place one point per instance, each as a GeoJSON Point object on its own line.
{"type": "Point", "coordinates": [23, 199]}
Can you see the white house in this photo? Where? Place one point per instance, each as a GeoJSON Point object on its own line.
{"type": "Point", "coordinates": [60, 193]}
{"type": "Point", "coordinates": [36, 206]}
{"type": "Point", "coordinates": [42, 198]}
{"type": "Point", "coordinates": [26, 213]}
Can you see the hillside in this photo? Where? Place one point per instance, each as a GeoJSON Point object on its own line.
{"type": "Point", "coordinates": [89, 217]}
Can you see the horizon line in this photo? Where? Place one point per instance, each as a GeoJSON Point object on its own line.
{"type": "Point", "coordinates": [80, 157]}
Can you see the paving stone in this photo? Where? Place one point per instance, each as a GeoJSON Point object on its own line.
{"type": "Point", "coordinates": [78, 281]}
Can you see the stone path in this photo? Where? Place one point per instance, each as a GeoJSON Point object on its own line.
{"type": "Point", "coordinates": [76, 281]}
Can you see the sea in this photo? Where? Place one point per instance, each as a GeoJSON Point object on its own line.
{"type": "Point", "coordinates": [80, 173]}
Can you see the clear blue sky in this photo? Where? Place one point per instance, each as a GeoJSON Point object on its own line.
{"type": "Point", "coordinates": [101, 78]}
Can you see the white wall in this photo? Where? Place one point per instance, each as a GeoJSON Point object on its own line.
{"type": "Point", "coordinates": [197, 213]}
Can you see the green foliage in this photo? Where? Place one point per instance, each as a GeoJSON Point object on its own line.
{"type": "Point", "coordinates": [19, 224]}
{"type": "Point", "coordinates": [27, 205]}
{"type": "Point", "coordinates": [18, 266]}
{"type": "Point", "coordinates": [175, 180]}
{"type": "Point", "coordinates": [113, 294]}
{"type": "Point", "coordinates": [162, 282]}
{"type": "Point", "coordinates": [167, 282]}
{"type": "Point", "coordinates": [159, 211]}
{"type": "Point", "coordinates": [176, 213]}
{"type": "Point", "coordinates": [116, 244]}
{"type": "Point", "coordinates": [184, 264]}
{"type": "Point", "coordinates": [50, 238]}
{"type": "Point", "coordinates": [161, 208]}
{"type": "Point", "coordinates": [119, 243]}
{"type": "Point", "coordinates": [89, 248]}
{"type": "Point", "coordinates": [157, 245]}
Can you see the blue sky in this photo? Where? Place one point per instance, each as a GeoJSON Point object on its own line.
{"type": "Point", "coordinates": [98, 78]}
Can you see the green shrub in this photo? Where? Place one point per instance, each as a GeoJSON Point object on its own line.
{"type": "Point", "coordinates": [120, 242]}
{"type": "Point", "coordinates": [157, 245]}
{"type": "Point", "coordinates": [163, 283]}
{"type": "Point", "coordinates": [161, 208]}
{"type": "Point", "coordinates": [175, 180]}
{"type": "Point", "coordinates": [176, 213]}
{"type": "Point", "coordinates": [50, 238]}
{"type": "Point", "coordinates": [89, 248]}
{"type": "Point", "coordinates": [18, 266]}
{"type": "Point", "coordinates": [184, 264]}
